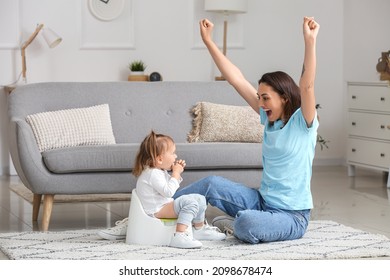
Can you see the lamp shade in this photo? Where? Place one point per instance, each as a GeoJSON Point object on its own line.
{"type": "Point", "coordinates": [51, 38]}
{"type": "Point", "coordinates": [226, 6]}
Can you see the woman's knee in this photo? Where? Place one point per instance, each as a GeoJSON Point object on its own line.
{"type": "Point", "coordinates": [210, 182]}
{"type": "Point", "coordinates": [254, 226]}
{"type": "Point", "coordinates": [243, 227]}
{"type": "Point", "coordinates": [214, 184]}
{"type": "Point", "coordinates": [203, 186]}
{"type": "Point", "coordinates": [212, 179]}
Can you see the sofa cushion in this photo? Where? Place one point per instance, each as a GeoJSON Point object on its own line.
{"type": "Point", "coordinates": [72, 127]}
{"type": "Point", "coordinates": [222, 155]}
{"type": "Point", "coordinates": [225, 123]}
{"type": "Point", "coordinates": [109, 158]}
{"type": "Point", "coordinates": [120, 157]}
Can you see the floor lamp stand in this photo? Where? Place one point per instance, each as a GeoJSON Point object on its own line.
{"type": "Point", "coordinates": [225, 23]}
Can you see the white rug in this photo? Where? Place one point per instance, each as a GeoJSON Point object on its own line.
{"type": "Point", "coordinates": [323, 240]}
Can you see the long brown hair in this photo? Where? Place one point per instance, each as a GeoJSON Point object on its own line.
{"type": "Point", "coordinates": [287, 89]}
{"type": "Point", "coordinates": [151, 147]}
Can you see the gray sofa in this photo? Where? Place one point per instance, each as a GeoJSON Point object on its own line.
{"type": "Point", "coordinates": [135, 108]}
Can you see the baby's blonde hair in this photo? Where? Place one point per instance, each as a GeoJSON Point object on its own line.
{"type": "Point", "coordinates": [151, 147]}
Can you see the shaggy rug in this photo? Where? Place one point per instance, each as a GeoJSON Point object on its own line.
{"type": "Point", "coordinates": [25, 193]}
{"type": "Point", "coordinates": [323, 240]}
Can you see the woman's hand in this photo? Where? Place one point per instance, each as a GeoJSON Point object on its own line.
{"type": "Point", "coordinates": [206, 29]}
{"type": "Point", "coordinates": [310, 28]}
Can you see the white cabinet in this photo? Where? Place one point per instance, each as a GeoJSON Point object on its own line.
{"type": "Point", "coordinates": [368, 126]}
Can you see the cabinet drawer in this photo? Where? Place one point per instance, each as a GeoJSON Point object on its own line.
{"type": "Point", "coordinates": [369, 125]}
{"type": "Point", "coordinates": [369, 152]}
{"type": "Point", "coordinates": [372, 98]}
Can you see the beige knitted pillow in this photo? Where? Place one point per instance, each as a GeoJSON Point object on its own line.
{"type": "Point", "coordinates": [72, 127]}
{"type": "Point", "coordinates": [225, 123]}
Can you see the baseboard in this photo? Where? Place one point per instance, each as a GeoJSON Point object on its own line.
{"type": "Point", "coordinates": [329, 162]}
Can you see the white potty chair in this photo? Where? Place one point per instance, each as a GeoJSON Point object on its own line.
{"type": "Point", "coordinates": [146, 230]}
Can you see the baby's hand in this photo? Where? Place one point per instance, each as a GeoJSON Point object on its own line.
{"type": "Point", "coordinates": [178, 168]}
{"type": "Point", "coordinates": [182, 162]}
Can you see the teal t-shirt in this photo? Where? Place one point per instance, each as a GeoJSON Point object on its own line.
{"type": "Point", "coordinates": [288, 153]}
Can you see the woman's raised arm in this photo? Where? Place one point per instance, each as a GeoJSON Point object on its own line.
{"type": "Point", "coordinates": [228, 70]}
{"type": "Point", "coordinates": [306, 83]}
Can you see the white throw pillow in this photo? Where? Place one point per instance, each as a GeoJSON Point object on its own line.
{"type": "Point", "coordinates": [72, 127]}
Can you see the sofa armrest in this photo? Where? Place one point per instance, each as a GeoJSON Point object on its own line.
{"type": "Point", "coordinates": [25, 154]}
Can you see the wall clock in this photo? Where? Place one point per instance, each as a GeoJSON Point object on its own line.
{"type": "Point", "coordinates": [106, 10]}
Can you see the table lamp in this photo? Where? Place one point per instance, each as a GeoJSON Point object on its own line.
{"type": "Point", "coordinates": [51, 38]}
{"type": "Point", "coordinates": [226, 7]}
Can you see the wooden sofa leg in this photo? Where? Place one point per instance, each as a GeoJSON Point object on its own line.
{"type": "Point", "coordinates": [48, 200]}
{"type": "Point", "coordinates": [36, 205]}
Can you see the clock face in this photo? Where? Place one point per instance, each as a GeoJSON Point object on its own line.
{"type": "Point", "coordinates": [106, 10]}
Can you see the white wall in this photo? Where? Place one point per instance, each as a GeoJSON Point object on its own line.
{"type": "Point", "coordinates": [367, 34]}
{"type": "Point", "coordinates": [165, 35]}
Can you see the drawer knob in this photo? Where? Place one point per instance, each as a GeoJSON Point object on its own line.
{"type": "Point", "coordinates": [353, 123]}
{"type": "Point", "coordinates": [382, 126]}
{"type": "Point", "coordinates": [382, 155]}
{"type": "Point", "coordinates": [383, 99]}
{"type": "Point", "coordinates": [353, 96]}
{"type": "Point", "coordinates": [353, 150]}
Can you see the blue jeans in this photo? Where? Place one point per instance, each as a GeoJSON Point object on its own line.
{"type": "Point", "coordinates": [255, 221]}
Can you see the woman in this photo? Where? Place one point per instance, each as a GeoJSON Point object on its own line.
{"type": "Point", "coordinates": [280, 208]}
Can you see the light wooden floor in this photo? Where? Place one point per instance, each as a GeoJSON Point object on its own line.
{"type": "Point", "coordinates": [362, 202]}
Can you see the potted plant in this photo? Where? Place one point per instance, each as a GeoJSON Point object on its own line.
{"type": "Point", "coordinates": [320, 140]}
{"type": "Point", "coordinates": [137, 68]}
